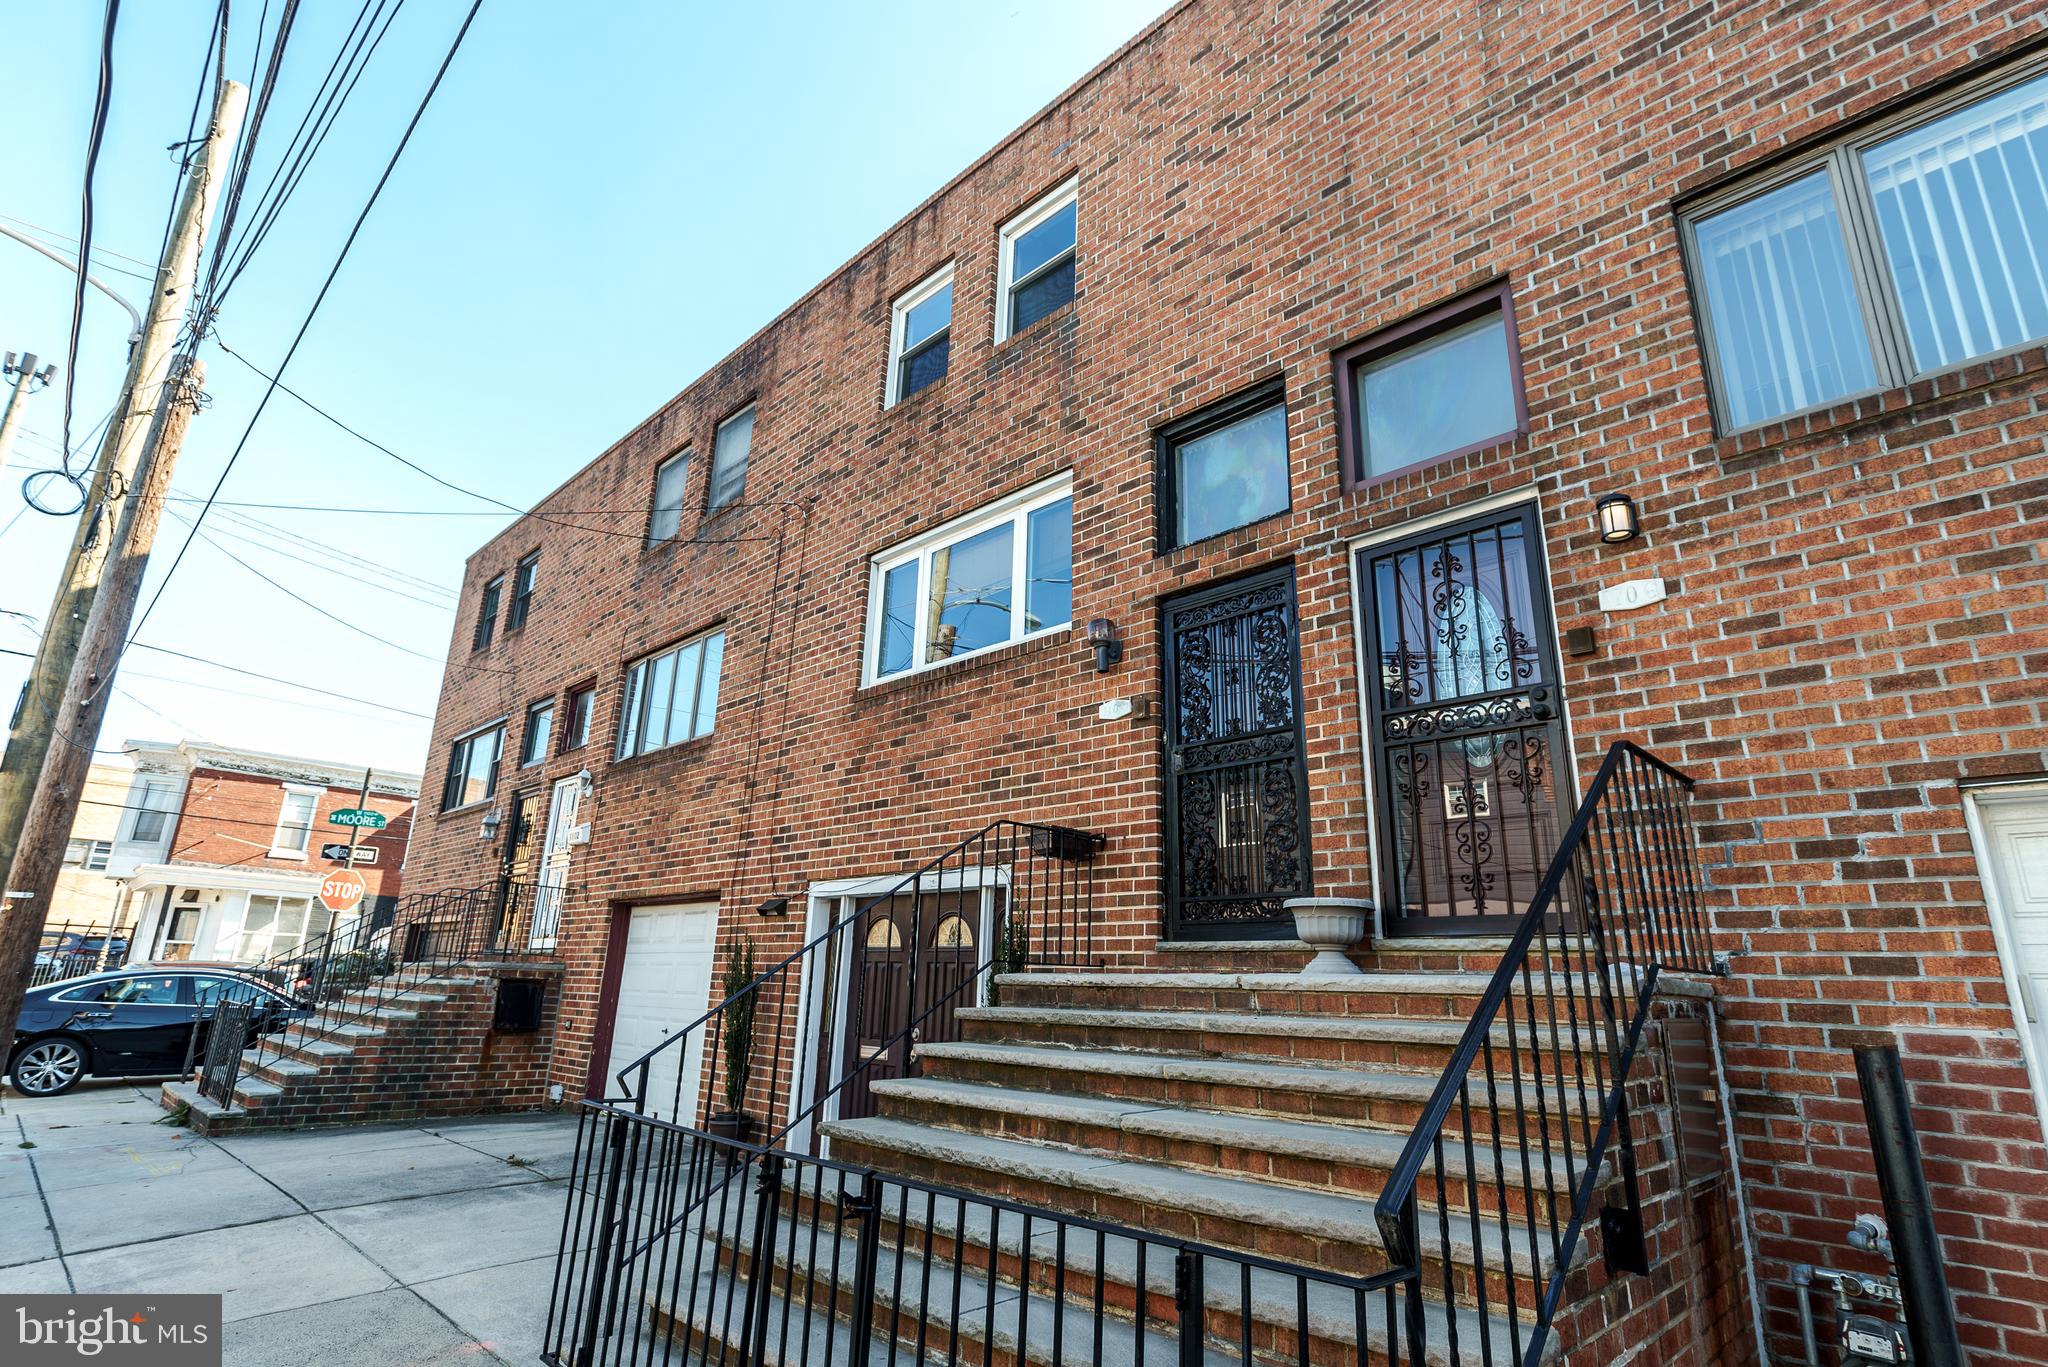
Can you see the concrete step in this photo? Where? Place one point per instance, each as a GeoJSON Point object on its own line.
{"type": "Point", "coordinates": [1447, 953]}
{"type": "Point", "coordinates": [1309, 1155]}
{"type": "Point", "coordinates": [1410, 996]}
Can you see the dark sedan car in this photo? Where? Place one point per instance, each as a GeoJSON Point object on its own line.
{"type": "Point", "coordinates": [129, 1022]}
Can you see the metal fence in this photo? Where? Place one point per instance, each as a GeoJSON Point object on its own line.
{"type": "Point", "coordinates": [72, 949]}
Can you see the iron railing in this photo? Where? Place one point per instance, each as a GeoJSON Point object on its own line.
{"type": "Point", "coordinates": [229, 1028]}
{"type": "Point", "coordinates": [72, 949]}
{"type": "Point", "coordinates": [1529, 1124]}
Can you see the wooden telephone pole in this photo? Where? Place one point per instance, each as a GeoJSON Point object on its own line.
{"type": "Point", "coordinates": [57, 721]}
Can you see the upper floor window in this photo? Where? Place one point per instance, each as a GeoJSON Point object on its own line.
{"type": "Point", "coordinates": [91, 855]}
{"type": "Point", "coordinates": [1224, 466]}
{"type": "Point", "coordinates": [1036, 270]}
{"type": "Point", "coordinates": [295, 823]}
{"type": "Point", "coordinates": [920, 336]}
{"type": "Point", "coordinates": [671, 697]}
{"type": "Point", "coordinates": [540, 726]}
{"type": "Point", "coordinates": [995, 576]}
{"type": "Point", "coordinates": [1911, 247]}
{"type": "Point", "coordinates": [666, 518]}
{"type": "Point", "coordinates": [729, 452]}
{"type": "Point", "coordinates": [1444, 383]}
{"type": "Point", "coordinates": [153, 811]}
{"type": "Point", "coordinates": [473, 767]}
{"type": "Point", "coordinates": [576, 728]}
{"type": "Point", "coordinates": [523, 576]}
{"type": "Point", "coordinates": [487, 612]}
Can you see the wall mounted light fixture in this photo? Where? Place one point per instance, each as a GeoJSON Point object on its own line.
{"type": "Point", "coordinates": [774, 906]}
{"type": "Point", "coordinates": [1108, 649]}
{"type": "Point", "coordinates": [1616, 514]}
{"type": "Point", "coordinates": [488, 827]}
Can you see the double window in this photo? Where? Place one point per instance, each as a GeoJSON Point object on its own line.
{"type": "Point", "coordinates": [275, 925]}
{"type": "Point", "coordinates": [1441, 384]}
{"type": "Point", "coordinates": [671, 697]}
{"type": "Point", "coordinates": [1036, 264]}
{"type": "Point", "coordinates": [295, 823]}
{"type": "Point", "coordinates": [999, 575]}
{"type": "Point", "coordinates": [920, 337]}
{"type": "Point", "coordinates": [523, 576]}
{"type": "Point", "coordinates": [666, 518]}
{"type": "Point", "coordinates": [1224, 467]}
{"type": "Point", "coordinates": [540, 728]}
{"type": "Point", "coordinates": [729, 452]}
{"type": "Point", "coordinates": [487, 613]}
{"type": "Point", "coordinates": [473, 768]}
{"type": "Point", "coordinates": [1913, 247]}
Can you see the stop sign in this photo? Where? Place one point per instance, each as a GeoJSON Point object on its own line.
{"type": "Point", "coordinates": [342, 890]}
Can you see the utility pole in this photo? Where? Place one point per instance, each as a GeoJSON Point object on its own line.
{"type": "Point", "coordinates": [65, 696]}
{"type": "Point", "coordinates": [26, 382]}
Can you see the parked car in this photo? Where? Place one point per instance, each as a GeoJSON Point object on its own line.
{"type": "Point", "coordinates": [129, 1022]}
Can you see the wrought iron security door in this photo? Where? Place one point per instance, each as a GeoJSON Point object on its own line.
{"type": "Point", "coordinates": [1237, 783]}
{"type": "Point", "coordinates": [1467, 724]}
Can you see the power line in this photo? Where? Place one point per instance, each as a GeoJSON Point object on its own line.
{"type": "Point", "coordinates": [185, 809]}
{"type": "Point", "coordinates": [288, 683]}
{"type": "Point", "coordinates": [101, 100]}
{"type": "Point", "coordinates": [336, 618]}
{"type": "Point", "coordinates": [216, 37]}
{"type": "Point", "coordinates": [100, 255]}
{"type": "Point", "coordinates": [298, 540]}
{"type": "Point", "coordinates": [315, 564]}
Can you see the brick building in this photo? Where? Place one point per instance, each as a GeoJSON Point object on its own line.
{"type": "Point", "coordinates": [222, 851]}
{"type": "Point", "coordinates": [1481, 387]}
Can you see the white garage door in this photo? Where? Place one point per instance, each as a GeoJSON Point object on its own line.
{"type": "Point", "coordinates": [664, 985]}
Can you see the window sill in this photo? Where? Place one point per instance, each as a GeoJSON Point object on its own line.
{"type": "Point", "coordinates": [935, 676]}
{"type": "Point", "coordinates": [1883, 406]}
{"type": "Point", "coordinates": [912, 400]}
{"type": "Point", "coordinates": [693, 747]}
{"type": "Point", "coordinates": [296, 856]}
{"type": "Point", "coordinates": [1057, 319]}
{"type": "Point", "coordinates": [1250, 531]}
{"type": "Point", "coordinates": [466, 809]}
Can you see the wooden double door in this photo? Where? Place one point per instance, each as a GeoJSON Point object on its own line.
{"type": "Point", "coordinates": [911, 958]}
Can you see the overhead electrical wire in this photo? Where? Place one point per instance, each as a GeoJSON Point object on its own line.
{"type": "Point", "coordinates": [314, 564]}
{"type": "Point", "coordinates": [216, 40]}
{"type": "Point", "coordinates": [288, 683]}
{"type": "Point", "coordinates": [296, 597]}
{"type": "Point", "coordinates": [102, 99]}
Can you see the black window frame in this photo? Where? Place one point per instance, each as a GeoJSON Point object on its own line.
{"type": "Point", "coordinates": [1225, 412]}
{"type": "Point", "coordinates": [488, 601]}
{"type": "Point", "coordinates": [587, 691]}
{"type": "Point", "coordinates": [458, 766]}
{"type": "Point", "coordinates": [528, 756]}
{"type": "Point", "coordinates": [525, 575]}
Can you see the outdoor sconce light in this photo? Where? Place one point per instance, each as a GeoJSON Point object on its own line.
{"type": "Point", "coordinates": [1108, 649]}
{"type": "Point", "coordinates": [489, 826]}
{"type": "Point", "coordinates": [1616, 514]}
{"type": "Point", "coordinates": [774, 906]}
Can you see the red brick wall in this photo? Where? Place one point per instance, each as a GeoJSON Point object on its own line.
{"type": "Point", "coordinates": [1858, 617]}
{"type": "Point", "coordinates": [231, 819]}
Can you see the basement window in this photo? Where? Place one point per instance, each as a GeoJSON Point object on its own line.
{"type": "Point", "coordinates": [1003, 574]}
{"type": "Point", "coordinates": [920, 337]}
{"type": "Point", "coordinates": [671, 697]}
{"type": "Point", "coordinates": [1037, 261]}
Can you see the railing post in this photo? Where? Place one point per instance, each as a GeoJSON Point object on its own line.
{"type": "Point", "coordinates": [600, 1257]}
{"type": "Point", "coordinates": [1418, 1325]}
{"type": "Point", "coordinates": [1189, 1305]}
{"type": "Point", "coordinates": [761, 1262]}
{"type": "Point", "coordinates": [866, 1208]}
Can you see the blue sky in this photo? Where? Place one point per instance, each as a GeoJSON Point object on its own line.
{"type": "Point", "coordinates": [602, 200]}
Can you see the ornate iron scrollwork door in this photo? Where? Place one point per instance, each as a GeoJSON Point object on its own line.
{"type": "Point", "coordinates": [1466, 721]}
{"type": "Point", "coordinates": [1237, 781]}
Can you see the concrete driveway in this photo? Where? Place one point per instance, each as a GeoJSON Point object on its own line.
{"type": "Point", "coordinates": [400, 1245]}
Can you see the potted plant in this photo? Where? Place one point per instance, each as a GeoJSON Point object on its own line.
{"type": "Point", "coordinates": [1012, 952]}
{"type": "Point", "coordinates": [738, 1015]}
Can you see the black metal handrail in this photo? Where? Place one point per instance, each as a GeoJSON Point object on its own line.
{"type": "Point", "coordinates": [1619, 905]}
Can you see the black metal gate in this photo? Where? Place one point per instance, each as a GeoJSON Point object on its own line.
{"type": "Point", "coordinates": [1237, 782]}
{"type": "Point", "coordinates": [1466, 721]}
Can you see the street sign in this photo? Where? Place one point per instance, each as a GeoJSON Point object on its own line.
{"type": "Point", "coordinates": [361, 817]}
{"type": "Point", "coordinates": [342, 890]}
{"type": "Point", "coordinates": [337, 853]}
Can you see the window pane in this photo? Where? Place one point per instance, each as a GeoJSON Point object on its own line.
{"type": "Point", "coordinates": [729, 458]}
{"type": "Point", "coordinates": [661, 681]}
{"type": "Point", "coordinates": [579, 717]}
{"type": "Point", "coordinates": [149, 822]}
{"type": "Point", "coordinates": [1232, 476]}
{"type": "Point", "coordinates": [707, 691]}
{"type": "Point", "coordinates": [924, 367]}
{"type": "Point", "coordinates": [928, 316]}
{"type": "Point", "coordinates": [540, 725]}
{"type": "Point", "coordinates": [1049, 566]}
{"type": "Point", "coordinates": [1962, 205]}
{"type": "Point", "coordinates": [970, 603]}
{"type": "Point", "coordinates": [899, 619]}
{"type": "Point", "coordinates": [683, 706]}
{"type": "Point", "coordinates": [1787, 327]}
{"type": "Point", "coordinates": [1042, 296]}
{"type": "Point", "coordinates": [667, 517]}
{"type": "Point", "coordinates": [295, 826]}
{"type": "Point", "coordinates": [74, 851]}
{"type": "Point", "coordinates": [1045, 241]}
{"type": "Point", "coordinates": [629, 710]}
{"type": "Point", "coordinates": [1449, 391]}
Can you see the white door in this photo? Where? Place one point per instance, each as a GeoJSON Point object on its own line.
{"type": "Point", "coordinates": [554, 865]}
{"type": "Point", "coordinates": [664, 985]}
{"type": "Point", "coordinates": [2012, 846]}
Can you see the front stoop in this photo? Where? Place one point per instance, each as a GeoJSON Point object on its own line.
{"type": "Point", "coordinates": [427, 1050]}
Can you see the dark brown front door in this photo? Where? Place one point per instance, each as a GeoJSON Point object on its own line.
{"type": "Point", "coordinates": [1237, 781]}
{"type": "Point", "coordinates": [910, 962]}
{"type": "Point", "coordinates": [1466, 722]}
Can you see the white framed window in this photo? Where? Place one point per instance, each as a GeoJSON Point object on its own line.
{"type": "Point", "coordinates": [666, 517]}
{"type": "Point", "coordinates": [276, 925]}
{"type": "Point", "coordinates": [920, 337]}
{"type": "Point", "coordinates": [90, 855]}
{"type": "Point", "coordinates": [955, 591]}
{"type": "Point", "coordinates": [671, 697]}
{"type": "Point", "coordinates": [153, 807]}
{"type": "Point", "coordinates": [295, 822]}
{"type": "Point", "coordinates": [1035, 270]}
{"type": "Point", "coordinates": [729, 452]}
{"type": "Point", "coordinates": [473, 767]}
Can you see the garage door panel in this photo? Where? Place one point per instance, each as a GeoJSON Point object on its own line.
{"type": "Point", "coordinates": [665, 985]}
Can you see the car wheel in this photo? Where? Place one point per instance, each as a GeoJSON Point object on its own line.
{"type": "Point", "coordinates": [48, 1067]}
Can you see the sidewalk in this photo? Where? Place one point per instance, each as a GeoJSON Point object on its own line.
{"type": "Point", "coordinates": [423, 1244]}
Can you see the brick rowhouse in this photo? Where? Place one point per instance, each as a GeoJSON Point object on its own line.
{"type": "Point", "coordinates": [1855, 629]}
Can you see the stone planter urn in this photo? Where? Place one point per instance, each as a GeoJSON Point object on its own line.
{"type": "Point", "coordinates": [1330, 925]}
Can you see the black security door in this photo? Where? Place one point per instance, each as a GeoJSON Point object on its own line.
{"type": "Point", "coordinates": [1467, 724]}
{"type": "Point", "coordinates": [1236, 782]}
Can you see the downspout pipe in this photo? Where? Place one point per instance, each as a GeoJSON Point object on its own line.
{"type": "Point", "coordinates": [1916, 1250]}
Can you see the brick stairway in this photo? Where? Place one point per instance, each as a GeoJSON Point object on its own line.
{"type": "Point", "coordinates": [1256, 1111]}
{"type": "Point", "coordinates": [381, 1054]}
